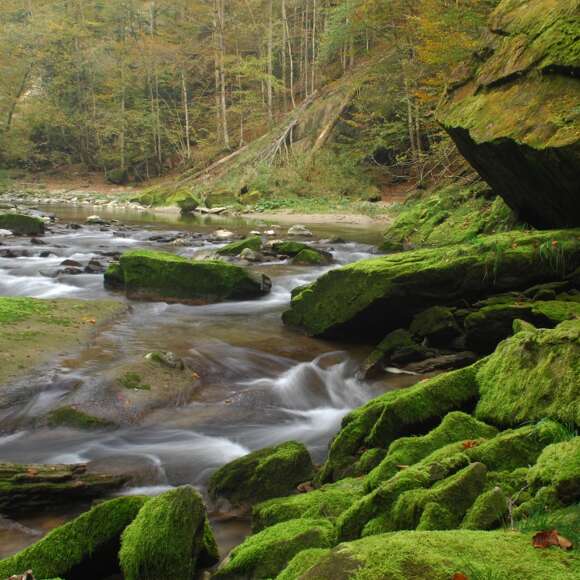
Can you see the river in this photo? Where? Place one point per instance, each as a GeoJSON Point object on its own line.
{"type": "Point", "coordinates": [260, 383]}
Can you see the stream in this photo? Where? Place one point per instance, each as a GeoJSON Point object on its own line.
{"type": "Point", "coordinates": [260, 383]}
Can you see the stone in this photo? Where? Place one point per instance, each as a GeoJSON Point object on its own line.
{"type": "Point", "coordinates": [96, 220]}
{"type": "Point", "coordinates": [515, 116]}
{"type": "Point", "coordinates": [235, 248]}
{"type": "Point", "coordinates": [299, 230]}
{"type": "Point", "coordinates": [22, 225]}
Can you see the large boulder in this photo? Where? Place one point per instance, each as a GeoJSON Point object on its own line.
{"type": "Point", "coordinates": [22, 225]}
{"type": "Point", "coordinates": [371, 297]}
{"type": "Point", "coordinates": [438, 556]}
{"type": "Point", "coordinates": [87, 547]}
{"type": "Point", "coordinates": [515, 117]}
{"type": "Point", "coordinates": [263, 474]}
{"type": "Point", "coordinates": [169, 538]}
{"type": "Point", "coordinates": [150, 275]}
{"type": "Point", "coordinates": [236, 248]}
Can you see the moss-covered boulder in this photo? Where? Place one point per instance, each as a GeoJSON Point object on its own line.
{"type": "Point", "coordinates": [30, 488]}
{"type": "Point", "coordinates": [236, 248]}
{"type": "Point", "coordinates": [531, 376]}
{"type": "Point", "coordinates": [266, 554]}
{"type": "Point", "coordinates": [515, 117]}
{"type": "Point", "coordinates": [74, 418]}
{"type": "Point", "coordinates": [415, 410]}
{"type": "Point", "coordinates": [21, 225]}
{"type": "Point", "coordinates": [169, 538]}
{"type": "Point", "coordinates": [311, 257]}
{"type": "Point", "coordinates": [328, 502]}
{"type": "Point", "coordinates": [289, 248]}
{"type": "Point", "coordinates": [86, 547]}
{"type": "Point", "coordinates": [489, 325]}
{"type": "Point", "coordinates": [263, 474]}
{"type": "Point", "coordinates": [559, 467]}
{"type": "Point", "coordinates": [371, 297]}
{"type": "Point", "coordinates": [439, 556]}
{"type": "Point", "coordinates": [150, 275]}
{"type": "Point", "coordinates": [456, 426]}
{"type": "Point", "coordinates": [487, 512]}
{"type": "Point", "coordinates": [436, 324]}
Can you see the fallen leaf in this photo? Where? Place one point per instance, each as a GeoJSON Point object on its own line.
{"type": "Point", "coordinates": [402, 466]}
{"type": "Point", "coordinates": [549, 538]}
{"type": "Point", "coordinates": [470, 444]}
{"type": "Point", "coordinates": [460, 576]}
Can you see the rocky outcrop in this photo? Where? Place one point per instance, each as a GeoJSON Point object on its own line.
{"type": "Point", "coordinates": [515, 118]}
{"type": "Point", "coordinates": [22, 225]}
{"type": "Point", "coordinates": [263, 474]}
{"type": "Point", "coordinates": [372, 297]}
{"type": "Point", "coordinates": [149, 275]}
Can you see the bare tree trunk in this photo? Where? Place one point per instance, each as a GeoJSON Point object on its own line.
{"type": "Point", "coordinates": [222, 74]}
{"type": "Point", "coordinates": [186, 113]}
{"type": "Point", "coordinates": [290, 54]}
{"type": "Point", "coordinates": [313, 68]}
{"type": "Point", "coordinates": [270, 62]}
{"type": "Point", "coordinates": [17, 97]}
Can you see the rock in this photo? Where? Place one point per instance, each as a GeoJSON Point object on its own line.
{"type": "Point", "coordinates": [235, 248]}
{"type": "Point", "coordinates": [251, 256]}
{"type": "Point", "coordinates": [487, 512]}
{"type": "Point", "coordinates": [437, 325]}
{"type": "Point", "coordinates": [270, 232]}
{"type": "Point", "coordinates": [96, 220]}
{"type": "Point", "coordinates": [168, 359]}
{"type": "Point", "coordinates": [149, 275]}
{"type": "Point", "coordinates": [371, 297]}
{"type": "Point", "coordinates": [137, 470]}
{"type": "Point", "coordinates": [300, 230]}
{"type": "Point", "coordinates": [71, 263]}
{"type": "Point", "coordinates": [312, 257]}
{"type": "Point", "coordinates": [5, 233]}
{"type": "Point", "coordinates": [328, 502]}
{"type": "Point", "coordinates": [74, 418]}
{"type": "Point", "coordinates": [444, 362]}
{"type": "Point", "coordinates": [514, 117]}
{"type": "Point", "coordinates": [266, 554]}
{"type": "Point", "coordinates": [456, 426]}
{"type": "Point", "coordinates": [21, 225]}
{"type": "Point", "coordinates": [223, 234]}
{"type": "Point", "coordinates": [531, 376]}
{"type": "Point", "coordinates": [263, 474]}
{"type": "Point", "coordinates": [35, 241]}
{"type": "Point", "coordinates": [169, 538]}
{"type": "Point", "coordinates": [94, 267]}
{"type": "Point", "coordinates": [28, 488]}
{"type": "Point", "coordinates": [288, 248]}
{"type": "Point", "coordinates": [438, 556]}
{"type": "Point", "coordinates": [83, 548]}
{"type": "Point", "coordinates": [69, 271]}
{"type": "Point", "coordinates": [395, 414]}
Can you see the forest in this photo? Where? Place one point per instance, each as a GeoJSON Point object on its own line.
{"type": "Point", "coordinates": [289, 289]}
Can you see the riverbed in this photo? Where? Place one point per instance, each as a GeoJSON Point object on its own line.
{"type": "Point", "coordinates": [257, 382]}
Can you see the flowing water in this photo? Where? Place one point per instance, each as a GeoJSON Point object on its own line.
{"type": "Point", "coordinates": [259, 383]}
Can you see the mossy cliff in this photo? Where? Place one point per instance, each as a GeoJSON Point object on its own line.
{"type": "Point", "coordinates": [150, 275]}
{"type": "Point", "coordinates": [515, 117]}
{"type": "Point", "coordinates": [372, 297]}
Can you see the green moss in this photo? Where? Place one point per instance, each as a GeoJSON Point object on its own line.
{"type": "Point", "coordinates": [531, 376]}
{"type": "Point", "coordinates": [14, 309]}
{"type": "Point", "coordinates": [235, 248]}
{"type": "Point", "coordinates": [166, 537]}
{"type": "Point", "coordinates": [158, 275]}
{"type": "Point", "coordinates": [559, 466]}
{"type": "Point", "coordinates": [437, 324]}
{"type": "Point", "coordinates": [133, 381]}
{"type": "Point", "coordinates": [71, 417]}
{"type": "Point", "coordinates": [456, 426]}
{"type": "Point", "coordinates": [450, 215]}
{"type": "Point", "coordinates": [267, 553]}
{"type": "Point", "coordinates": [263, 474]}
{"type": "Point", "coordinates": [440, 555]}
{"type": "Point", "coordinates": [289, 248]}
{"type": "Point", "coordinates": [372, 296]}
{"type": "Point", "coordinates": [92, 536]}
{"type": "Point", "coordinates": [396, 414]}
{"type": "Point", "coordinates": [487, 512]}
{"type": "Point", "coordinates": [327, 502]}
{"type": "Point", "coordinates": [301, 563]}
{"type": "Point", "coordinates": [22, 225]}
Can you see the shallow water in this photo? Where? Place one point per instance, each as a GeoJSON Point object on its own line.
{"type": "Point", "coordinates": [259, 383]}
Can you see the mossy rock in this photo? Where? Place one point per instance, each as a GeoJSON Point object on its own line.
{"type": "Point", "coordinates": [266, 554]}
{"type": "Point", "coordinates": [118, 176]}
{"type": "Point", "coordinates": [289, 248]}
{"type": "Point", "coordinates": [487, 512]}
{"type": "Point", "coordinates": [311, 257]}
{"type": "Point", "coordinates": [263, 474]}
{"type": "Point", "coordinates": [515, 117]}
{"type": "Point", "coordinates": [328, 502]}
{"type": "Point", "coordinates": [406, 451]}
{"type": "Point", "coordinates": [168, 538]}
{"type": "Point", "coordinates": [30, 488]}
{"type": "Point", "coordinates": [439, 555]}
{"type": "Point", "coordinates": [150, 275]}
{"type": "Point", "coordinates": [415, 410]}
{"type": "Point", "coordinates": [21, 225]}
{"type": "Point", "coordinates": [559, 466]}
{"type": "Point", "coordinates": [437, 324]}
{"type": "Point", "coordinates": [371, 297]}
{"type": "Point", "coordinates": [70, 416]}
{"type": "Point", "coordinates": [494, 323]}
{"type": "Point", "coordinates": [236, 248]}
{"type": "Point", "coordinates": [531, 376]}
{"type": "Point", "coordinates": [84, 547]}
{"type": "Point", "coordinates": [301, 563]}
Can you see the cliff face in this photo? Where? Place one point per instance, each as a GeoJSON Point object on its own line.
{"type": "Point", "coordinates": [516, 115]}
